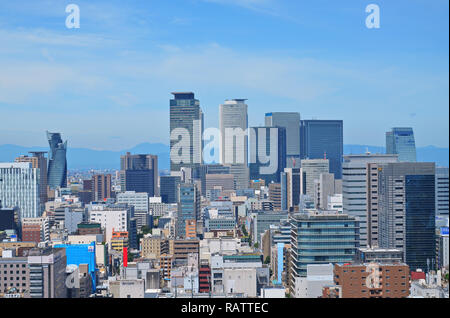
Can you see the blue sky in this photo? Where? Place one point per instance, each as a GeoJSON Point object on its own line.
{"type": "Point", "coordinates": [107, 85]}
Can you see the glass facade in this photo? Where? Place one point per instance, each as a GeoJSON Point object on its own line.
{"type": "Point", "coordinates": [57, 163]}
{"type": "Point", "coordinates": [420, 244]}
{"type": "Point", "coordinates": [323, 138]}
{"type": "Point", "coordinates": [401, 141]}
{"type": "Point", "coordinates": [185, 113]}
{"type": "Point", "coordinates": [322, 239]}
{"type": "Point", "coordinates": [19, 187]}
{"type": "Point", "coordinates": [188, 206]}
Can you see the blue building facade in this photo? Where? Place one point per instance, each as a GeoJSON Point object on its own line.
{"type": "Point", "coordinates": [81, 254]}
{"type": "Point", "coordinates": [57, 163]}
{"type": "Point", "coordinates": [323, 138]}
{"type": "Point", "coordinates": [401, 142]}
{"type": "Point", "coordinates": [322, 239]}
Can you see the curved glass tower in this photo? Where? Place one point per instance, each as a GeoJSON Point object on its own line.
{"type": "Point", "coordinates": [57, 163]}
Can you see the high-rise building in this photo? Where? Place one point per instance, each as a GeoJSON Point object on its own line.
{"type": "Point", "coordinates": [39, 161]}
{"type": "Point", "coordinates": [400, 141]}
{"type": "Point", "coordinates": [355, 191]}
{"type": "Point", "coordinates": [323, 139]}
{"type": "Point", "coordinates": [406, 213]}
{"type": "Point", "coordinates": [140, 202]}
{"type": "Point", "coordinates": [35, 230]}
{"type": "Point", "coordinates": [310, 171]}
{"type": "Point", "coordinates": [139, 173]}
{"type": "Point", "coordinates": [325, 187]}
{"type": "Point", "coordinates": [267, 153]}
{"type": "Point", "coordinates": [275, 195]}
{"type": "Point", "coordinates": [19, 187]}
{"type": "Point", "coordinates": [442, 191]}
{"type": "Point", "coordinates": [186, 121]}
{"type": "Point", "coordinates": [168, 188]}
{"type": "Point", "coordinates": [321, 238]}
{"type": "Point", "coordinates": [188, 206]}
{"type": "Point", "coordinates": [292, 188]}
{"type": "Point", "coordinates": [101, 187]}
{"type": "Point", "coordinates": [291, 122]}
{"type": "Point", "coordinates": [57, 161]}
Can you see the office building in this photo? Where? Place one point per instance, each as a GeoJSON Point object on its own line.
{"type": "Point", "coordinates": [323, 139]}
{"type": "Point", "coordinates": [188, 206]}
{"type": "Point", "coordinates": [321, 238]}
{"type": "Point", "coordinates": [390, 281]}
{"type": "Point", "coordinates": [291, 122]}
{"type": "Point", "coordinates": [358, 172]}
{"type": "Point", "coordinates": [19, 187]}
{"type": "Point", "coordinates": [400, 141]}
{"type": "Point", "coordinates": [57, 162]}
{"type": "Point", "coordinates": [406, 213]}
{"type": "Point", "coordinates": [293, 187]}
{"type": "Point", "coordinates": [267, 153]}
{"type": "Point", "coordinates": [101, 187]}
{"type": "Point", "coordinates": [35, 230]}
{"type": "Point", "coordinates": [140, 202]}
{"type": "Point", "coordinates": [168, 187]}
{"type": "Point", "coordinates": [39, 273]}
{"type": "Point", "coordinates": [186, 121]}
{"type": "Point", "coordinates": [38, 161]}
{"type": "Point", "coordinates": [233, 124]}
{"type": "Point", "coordinates": [441, 191]}
{"type": "Point", "coordinates": [325, 187]}
{"type": "Point", "coordinates": [139, 173]}
{"type": "Point", "coordinates": [310, 171]}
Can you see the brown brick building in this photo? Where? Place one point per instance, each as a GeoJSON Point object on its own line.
{"type": "Point", "coordinates": [393, 280]}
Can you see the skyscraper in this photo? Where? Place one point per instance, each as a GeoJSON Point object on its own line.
{"type": "Point", "coordinates": [407, 211]}
{"type": "Point", "coordinates": [19, 187]}
{"type": "Point", "coordinates": [57, 163]}
{"type": "Point", "coordinates": [39, 161]}
{"type": "Point", "coordinates": [356, 194]}
{"type": "Point", "coordinates": [290, 121]}
{"type": "Point", "coordinates": [188, 207]}
{"type": "Point", "coordinates": [401, 141]}
{"type": "Point", "coordinates": [267, 153]}
{"type": "Point", "coordinates": [233, 123]}
{"type": "Point", "coordinates": [139, 173]}
{"type": "Point", "coordinates": [323, 139]}
{"type": "Point", "coordinates": [310, 171]}
{"type": "Point", "coordinates": [186, 131]}
{"type": "Point", "coordinates": [442, 191]}
{"type": "Point", "coordinates": [101, 187]}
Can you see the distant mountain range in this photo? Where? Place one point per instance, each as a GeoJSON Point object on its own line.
{"type": "Point", "coordinates": [83, 158]}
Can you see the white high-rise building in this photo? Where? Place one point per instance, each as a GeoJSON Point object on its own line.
{"type": "Point", "coordinates": [441, 188]}
{"type": "Point", "coordinates": [141, 205]}
{"type": "Point", "coordinates": [233, 124]}
{"type": "Point", "coordinates": [19, 187]}
{"type": "Point", "coordinates": [110, 219]}
{"type": "Point", "coordinates": [354, 187]}
{"type": "Point", "coordinates": [310, 171]}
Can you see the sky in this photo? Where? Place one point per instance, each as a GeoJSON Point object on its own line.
{"type": "Point", "coordinates": [107, 84]}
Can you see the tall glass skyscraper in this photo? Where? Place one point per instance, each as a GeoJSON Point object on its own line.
{"type": "Point", "coordinates": [290, 121]}
{"type": "Point", "coordinates": [188, 207]}
{"type": "Point", "coordinates": [19, 187]}
{"type": "Point", "coordinates": [139, 173]}
{"type": "Point", "coordinates": [186, 123]}
{"type": "Point", "coordinates": [57, 161]}
{"type": "Point", "coordinates": [233, 123]}
{"type": "Point", "coordinates": [401, 141]}
{"type": "Point", "coordinates": [407, 211]}
{"type": "Point", "coordinates": [321, 139]}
